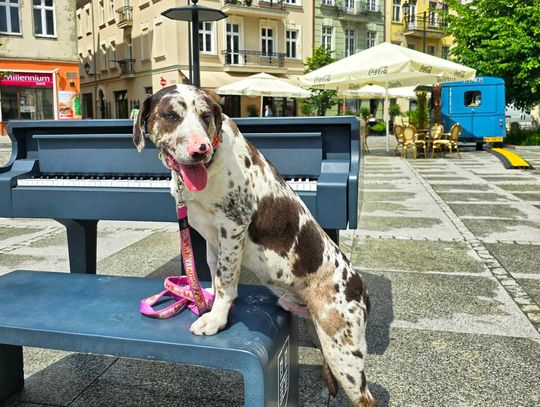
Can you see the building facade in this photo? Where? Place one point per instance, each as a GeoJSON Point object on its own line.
{"type": "Point", "coordinates": [128, 50]}
{"type": "Point", "coordinates": [347, 26]}
{"type": "Point", "coordinates": [416, 24]}
{"type": "Point", "coordinates": [39, 70]}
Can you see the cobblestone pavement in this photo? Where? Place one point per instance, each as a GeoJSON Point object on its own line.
{"type": "Point", "coordinates": [449, 249]}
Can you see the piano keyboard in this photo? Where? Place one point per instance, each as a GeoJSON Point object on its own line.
{"type": "Point", "coordinates": [132, 182]}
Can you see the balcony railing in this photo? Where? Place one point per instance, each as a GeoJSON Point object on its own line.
{"type": "Point", "coordinates": [357, 8]}
{"type": "Point", "coordinates": [254, 58]}
{"type": "Point", "coordinates": [125, 16]}
{"type": "Point", "coordinates": [266, 4]}
{"type": "Point", "coordinates": [431, 20]}
{"type": "Point", "coordinates": [126, 66]}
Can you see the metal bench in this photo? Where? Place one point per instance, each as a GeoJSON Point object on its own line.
{"type": "Point", "coordinates": [99, 314]}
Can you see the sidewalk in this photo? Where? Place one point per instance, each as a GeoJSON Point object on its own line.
{"type": "Point", "coordinates": [449, 249]}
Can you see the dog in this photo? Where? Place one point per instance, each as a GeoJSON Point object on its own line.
{"type": "Point", "coordinates": [250, 217]}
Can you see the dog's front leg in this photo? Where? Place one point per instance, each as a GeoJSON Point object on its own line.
{"type": "Point", "coordinates": [230, 248]}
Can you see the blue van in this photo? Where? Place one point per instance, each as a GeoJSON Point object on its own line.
{"type": "Point", "coordinates": [479, 106]}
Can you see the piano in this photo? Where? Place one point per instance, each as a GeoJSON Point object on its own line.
{"type": "Point", "coordinates": [79, 172]}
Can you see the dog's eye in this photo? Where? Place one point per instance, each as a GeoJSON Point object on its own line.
{"type": "Point", "coordinates": [207, 118]}
{"type": "Point", "coordinates": [170, 116]}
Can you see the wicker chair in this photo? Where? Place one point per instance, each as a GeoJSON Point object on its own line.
{"type": "Point", "coordinates": [409, 138]}
{"type": "Point", "coordinates": [449, 140]}
{"type": "Point", "coordinates": [436, 135]}
{"type": "Point", "coordinates": [398, 134]}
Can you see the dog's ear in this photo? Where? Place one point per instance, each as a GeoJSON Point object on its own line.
{"type": "Point", "coordinates": [139, 125]}
{"type": "Point", "coordinates": [213, 101]}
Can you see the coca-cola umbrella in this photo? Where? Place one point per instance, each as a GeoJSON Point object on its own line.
{"type": "Point", "coordinates": [387, 65]}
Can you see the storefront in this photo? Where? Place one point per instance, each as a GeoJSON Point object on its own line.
{"type": "Point", "coordinates": [38, 91]}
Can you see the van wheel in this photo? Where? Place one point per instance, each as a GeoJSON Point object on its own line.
{"type": "Point", "coordinates": [479, 146]}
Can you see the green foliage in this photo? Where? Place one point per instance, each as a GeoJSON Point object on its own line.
{"type": "Point", "coordinates": [422, 110]}
{"type": "Point", "coordinates": [413, 117]}
{"type": "Point", "coordinates": [364, 112]}
{"type": "Point", "coordinates": [378, 127]}
{"type": "Point", "coordinates": [321, 100]}
{"type": "Point", "coordinates": [252, 111]}
{"type": "Point", "coordinates": [5, 74]}
{"type": "Point", "coordinates": [500, 38]}
{"type": "Point", "coordinates": [394, 110]}
{"type": "Point", "coordinates": [523, 137]}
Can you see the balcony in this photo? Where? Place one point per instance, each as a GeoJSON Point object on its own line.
{"type": "Point", "coordinates": [126, 67]}
{"type": "Point", "coordinates": [255, 8]}
{"type": "Point", "coordinates": [248, 61]}
{"type": "Point", "coordinates": [125, 17]}
{"type": "Point", "coordinates": [416, 25]}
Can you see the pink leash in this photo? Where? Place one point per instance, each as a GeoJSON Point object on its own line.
{"type": "Point", "coordinates": [185, 290]}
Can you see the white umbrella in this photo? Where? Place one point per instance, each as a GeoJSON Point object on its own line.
{"type": "Point", "coordinates": [378, 92]}
{"type": "Point", "coordinates": [263, 84]}
{"type": "Point", "coordinates": [387, 65]}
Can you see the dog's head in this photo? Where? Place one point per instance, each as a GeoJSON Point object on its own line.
{"type": "Point", "coordinates": [185, 125]}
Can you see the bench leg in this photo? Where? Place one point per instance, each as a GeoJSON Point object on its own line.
{"type": "Point", "coordinates": [11, 370]}
{"type": "Point", "coordinates": [82, 243]}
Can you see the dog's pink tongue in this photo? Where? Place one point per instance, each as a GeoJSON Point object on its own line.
{"type": "Point", "coordinates": [195, 176]}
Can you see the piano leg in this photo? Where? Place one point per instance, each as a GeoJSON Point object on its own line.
{"type": "Point", "coordinates": [333, 234]}
{"type": "Point", "coordinates": [82, 243]}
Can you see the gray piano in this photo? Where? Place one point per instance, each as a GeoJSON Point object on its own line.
{"type": "Point", "coordinates": [80, 172]}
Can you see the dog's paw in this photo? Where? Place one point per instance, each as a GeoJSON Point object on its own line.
{"type": "Point", "coordinates": [207, 324]}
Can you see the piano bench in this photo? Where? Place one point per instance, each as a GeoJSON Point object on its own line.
{"type": "Point", "coordinates": [100, 314]}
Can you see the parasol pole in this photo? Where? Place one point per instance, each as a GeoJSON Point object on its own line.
{"type": "Point", "coordinates": [385, 116]}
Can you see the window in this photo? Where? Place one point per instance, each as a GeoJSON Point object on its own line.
{"type": "Point", "coordinates": [101, 12]}
{"type": "Point", "coordinates": [291, 43]}
{"type": "Point", "coordinates": [88, 20]}
{"type": "Point", "coordinates": [444, 52]}
{"type": "Point", "coordinates": [327, 34]}
{"type": "Point", "coordinates": [159, 38]}
{"type": "Point", "coordinates": [145, 43]}
{"type": "Point", "coordinates": [148, 90]}
{"type": "Point", "coordinates": [267, 41]}
{"type": "Point", "coordinates": [350, 6]}
{"type": "Point", "coordinates": [9, 17]}
{"type": "Point", "coordinates": [372, 5]}
{"type": "Point", "coordinates": [79, 22]}
{"type": "Point", "coordinates": [432, 18]}
{"type": "Point", "coordinates": [370, 39]}
{"type": "Point", "coordinates": [294, 2]}
{"type": "Point", "coordinates": [396, 11]}
{"type": "Point", "coordinates": [103, 63]}
{"type": "Point", "coordinates": [44, 23]}
{"type": "Point", "coordinates": [233, 44]}
{"type": "Point", "coordinates": [112, 55]}
{"type": "Point", "coordinates": [111, 10]}
{"type": "Point", "coordinates": [327, 2]}
{"type": "Point", "coordinates": [206, 35]}
{"type": "Point", "coordinates": [431, 49]}
{"type": "Point", "coordinates": [472, 98]}
{"type": "Point", "coordinates": [350, 43]}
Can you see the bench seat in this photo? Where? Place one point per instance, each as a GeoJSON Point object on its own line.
{"type": "Point", "coordinates": [99, 314]}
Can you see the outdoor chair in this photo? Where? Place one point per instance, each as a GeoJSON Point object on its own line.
{"type": "Point", "coordinates": [450, 140]}
{"type": "Point", "coordinates": [435, 135]}
{"type": "Point", "coordinates": [398, 134]}
{"type": "Point", "coordinates": [409, 138]}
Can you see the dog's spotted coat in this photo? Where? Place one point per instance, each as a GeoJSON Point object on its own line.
{"type": "Point", "coordinates": [251, 218]}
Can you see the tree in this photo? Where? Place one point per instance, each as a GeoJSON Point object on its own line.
{"type": "Point", "coordinates": [500, 38]}
{"type": "Point", "coordinates": [321, 99]}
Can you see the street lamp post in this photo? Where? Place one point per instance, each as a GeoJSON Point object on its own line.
{"type": "Point", "coordinates": [194, 14]}
{"type": "Point", "coordinates": [86, 67]}
{"type": "Point", "coordinates": [424, 33]}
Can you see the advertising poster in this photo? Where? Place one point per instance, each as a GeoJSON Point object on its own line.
{"type": "Point", "coordinates": [69, 105]}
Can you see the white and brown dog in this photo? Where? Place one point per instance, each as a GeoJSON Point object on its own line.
{"type": "Point", "coordinates": [249, 217]}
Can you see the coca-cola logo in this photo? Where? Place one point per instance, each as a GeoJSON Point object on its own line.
{"type": "Point", "coordinates": [459, 74]}
{"type": "Point", "coordinates": [426, 69]}
{"type": "Point", "coordinates": [394, 84]}
{"type": "Point", "coordinates": [322, 79]}
{"type": "Point", "coordinates": [382, 70]}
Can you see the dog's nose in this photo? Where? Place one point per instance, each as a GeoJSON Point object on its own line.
{"type": "Point", "coordinates": [203, 147]}
{"type": "Point", "coordinates": [198, 150]}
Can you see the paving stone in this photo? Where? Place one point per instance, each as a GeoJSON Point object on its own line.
{"type": "Point", "coordinates": [444, 302]}
{"type": "Point", "coordinates": [460, 187]}
{"type": "Point", "coordinates": [528, 197]}
{"type": "Point", "coordinates": [392, 207]}
{"type": "Point", "coordinates": [388, 196]}
{"type": "Point", "coordinates": [499, 211]}
{"type": "Point", "coordinates": [473, 197]}
{"type": "Point", "coordinates": [445, 178]}
{"type": "Point", "coordinates": [517, 258]}
{"type": "Point", "coordinates": [506, 178]}
{"type": "Point", "coordinates": [520, 187]}
{"type": "Point", "coordinates": [427, 369]}
{"type": "Point", "coordinates": [503, 229]}
{"type": "Point", "coordinates": [415, 255]}
{"type": "Point", "coordinates": [389, 223]}
{"type": "Point", "coordinates": [8, 232]}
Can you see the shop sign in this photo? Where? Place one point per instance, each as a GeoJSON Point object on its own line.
{"type": "Point", "coordinates": [27, 79]}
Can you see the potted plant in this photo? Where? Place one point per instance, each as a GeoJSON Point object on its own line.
{"type": "Point", "coordinates": [378, 129]}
